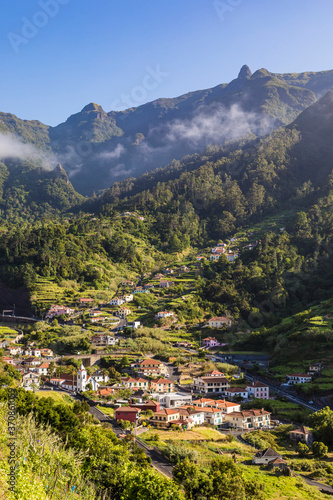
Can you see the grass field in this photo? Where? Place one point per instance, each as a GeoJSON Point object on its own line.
{"type": "Point", "coordinates": [207, 443]}
{"type": "Point", "coordinates": [58, 397]}
{"type": "Point", "coordinates": [107, 411]}
{"type": "Point", "coordinates": [282, 488]}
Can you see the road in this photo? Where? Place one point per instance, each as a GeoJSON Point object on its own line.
{"type": "Point", "coordinates": [159, 463]}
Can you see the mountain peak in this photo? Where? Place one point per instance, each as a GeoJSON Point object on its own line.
{"type": "Point", "coordinates": [245, 72]}
{"type": "Point", "coordinates": [60, 173]}
{"type": "Point", "coordinates": [93, 107]}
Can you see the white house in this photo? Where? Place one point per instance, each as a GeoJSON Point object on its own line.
{"type": "Point", "coordinates": [258, 390]}
{"type": "Point", "coordinates": [231, 256]}
{"type": "Point", "coordinates": [237, 392]}
{"type": "Point", "coordinates": [165, 284]}
{"type": "Point", "coordinates": [128, 298]}
{"type": "Point", "coordinates": [123, 312]}
{"type": "Point", "coordinates": [248, 419]}
{"type": "Point", "coordinates": [164, 314]}
{"type": "Point", "coordinates": [210, 384]}
{"type": "Point", "coordinates": [42, 369]}
{"type": "Point", "coordinates": [214, 256]}
{"type": "Point", "coordinates": [15, 350]}
{"type": "Point", "coordinates": [173, 399]}
{"type": "Point", "coordinates": [219, 322]}
{"type": "Point", "coordinates": [264, 457]}
{"type": "Point", "coordinates": [30, 378]}
{"type": "Point", "coordinates": [213, 416]}
{"type": "Point", "coordinates": [104, 340]}
{"type": "Point", "coordinates": [134, 325]}
{"type": "Point", "coordinates": [117, 301]}
{"type": "Point", "coordinates": [100, 377]}
{"type": "Point", "coordinates": [299, 378]}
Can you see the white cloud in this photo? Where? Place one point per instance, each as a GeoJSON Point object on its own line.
{"type": "Point", "coordinates": [217, 124]}
{"type": "Point", "coordinates": [11, 147]}
{"type": "Point", "coordinates": [113, 155]}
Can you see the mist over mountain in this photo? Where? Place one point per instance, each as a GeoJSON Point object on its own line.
{"type": "Point", "coordinates": [98, 148]}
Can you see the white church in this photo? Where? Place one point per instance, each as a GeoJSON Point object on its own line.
{"type": "Point", "coordinates": [81, 381]}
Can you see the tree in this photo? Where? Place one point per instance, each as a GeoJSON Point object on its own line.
{"type": "Point", "coordinates": [50, 370]}
{"type": "Point", "coordinates": [72, 371]}
{"type": "Point", "coordinates": [319, 449]}
{"type": "Point", "coordinates": [322, 422]}
{"type": "Point", "coordinates": [302, 449]}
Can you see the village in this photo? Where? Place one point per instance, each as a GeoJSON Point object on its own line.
{"type": "Point", "coordinates": [199, 387]}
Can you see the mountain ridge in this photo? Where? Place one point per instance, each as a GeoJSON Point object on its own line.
{"type": "Point", "coordinates": [98, 148]}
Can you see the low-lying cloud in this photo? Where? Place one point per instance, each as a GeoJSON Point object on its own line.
{"type": "Point", "coordinates": [217, 124]}
{"type": "Point", "coordinates": [11, 147]}
{"type": "Point", "coordinates": [113, 155]}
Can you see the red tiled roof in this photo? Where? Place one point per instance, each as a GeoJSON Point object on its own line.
{"type": "Point", "coordinates": [161, 381]}
{"type": "Point", "coordinates": [128, 409]}
{"type": "Point", "coordinates": [257, 384]}
{"type": "Point", "coordinates": [249, 413]}
{"type": "Point", "coordinates": [150, 362]}
{"type": "Point", "coordinates": [166, 411]}
{"type": "Point", "coordinates": [219, 318]}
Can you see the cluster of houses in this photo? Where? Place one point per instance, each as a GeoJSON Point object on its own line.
{"type": "Point", "coordinates": [304, 378]}
{"type": "Point", "coordinates": [221, 249]}
{"type": "Point", "coordinates": [34, 365]}
{"type": "Point", "coordinates": [216, 383]}
{"type": "Point", "coordinates": [272, 458]}
{"type": "Point", "coordinates": [220, 413]}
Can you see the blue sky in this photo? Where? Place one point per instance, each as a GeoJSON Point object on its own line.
{"type": "Point", "coordinates": [59, 55]}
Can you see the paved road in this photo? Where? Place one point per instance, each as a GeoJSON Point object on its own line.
{"type": "Point", "coordinates": [159, 463]}
{"type": "Point", "coordinates": [325, 488]}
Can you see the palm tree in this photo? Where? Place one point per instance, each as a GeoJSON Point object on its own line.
{"type": "Point", "coordinates": [72, 371]}
{"type": "Point", "coordinates": [34, 387]}
{"type": "Point", "coordinates": [50, 370]}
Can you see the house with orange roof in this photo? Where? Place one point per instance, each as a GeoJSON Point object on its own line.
{"type": "Point", "coordinates": [42, 368]}
{"type": "Point", "coordinates": [225, 406]}
{"type": "Point", "coordinates": [127, 413]}
{"type": "Point", "coordinates": [135, 383]}
{"type": "Point", "coordinates": [302, 434]}
{"type": "Point", "coordinates": [202, 402]}
{"type": "Point", "coordinates": [248, 419]}
{"type": "Point", "coordinates": [105, 392]}
{"type": "Point", "coordinates": [162, 385]}
{"type": "Point", "coordinates": [123, 312]}
{"type": "Point", "coordinates": [165, 418]}
{"type": "Point", "coordinates": [152, 367]}
{"type": "Point", "coordinates": [213, 416]}
{"type": "Point", "coordinates": [219, 322]}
